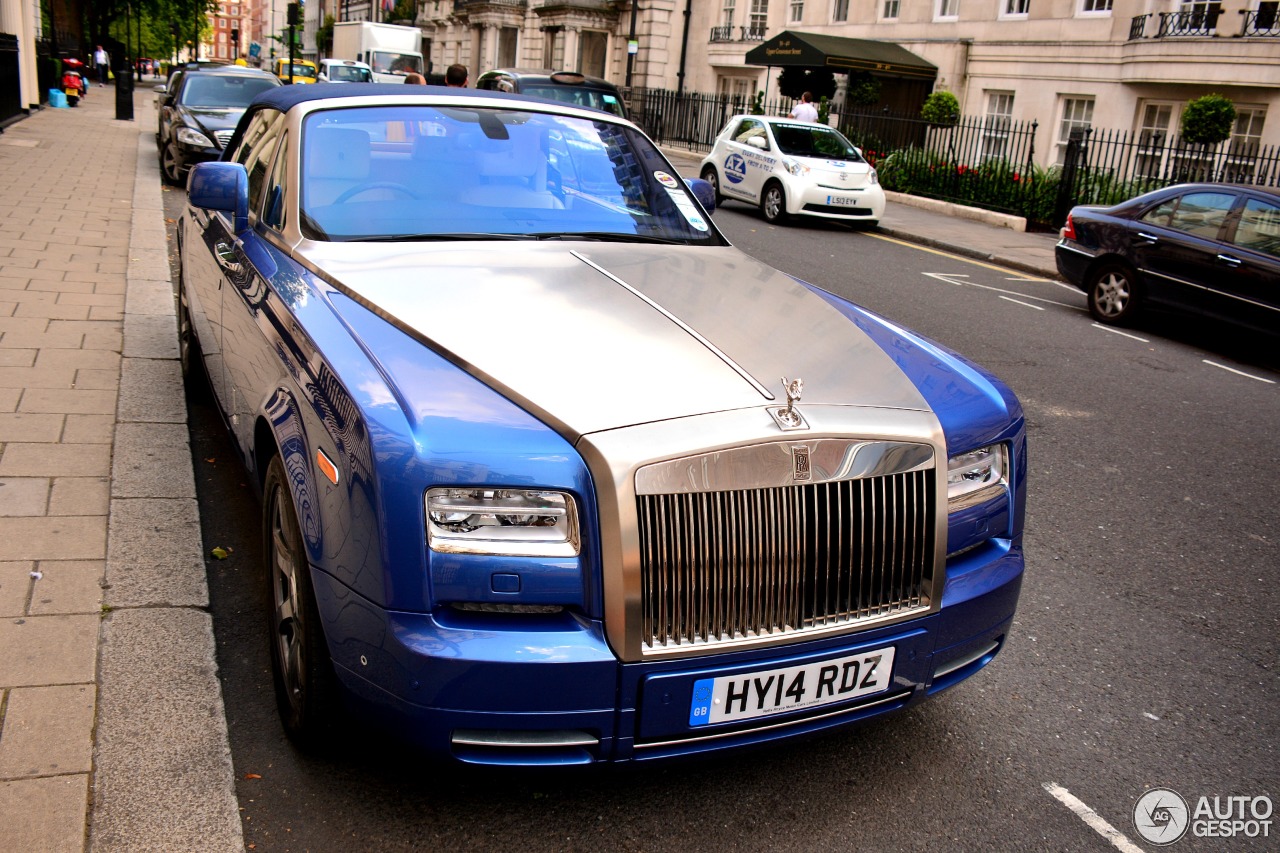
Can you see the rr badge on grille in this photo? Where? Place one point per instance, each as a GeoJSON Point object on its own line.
{"type": "Point", "coordinates": [800, 472]}
{"type": "Point", "coordinates": [789, 418]}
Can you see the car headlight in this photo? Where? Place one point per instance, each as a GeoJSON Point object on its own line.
{"type": "Point", "coordinates": [507, 522]}
{"type": "Point", "coordinates": [976, 476]}
{"type": "Point", "coordinates": [872, 177]}
{"type": "Point", "coordinates": [794, 167]}
{"type": "Point", "coordinates": [194, 138]}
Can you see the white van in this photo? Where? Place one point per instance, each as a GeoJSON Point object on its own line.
{"type": "Point", "coordinates": [344, 71]}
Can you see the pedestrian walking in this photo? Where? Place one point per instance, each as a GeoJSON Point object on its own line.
{"type": "Point", "coordinates": [805, 110]}
{"type": "Point", "coordinates": [102, 61]}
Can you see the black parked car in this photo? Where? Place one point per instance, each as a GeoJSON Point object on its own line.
{"type": "Point", "coordinates": [569, 87]}
{"type": "Point", "coordinates": [199, 112]}
{"type": "Point", "coordinates": [1211, 249]}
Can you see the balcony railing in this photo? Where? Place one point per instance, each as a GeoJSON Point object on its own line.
{"type": "Point", "coordinates": [725, 33]}
{"type": "Point", "coordinates": [464, 5]}
{"type": "Point", "coordinates": [1263, 22]}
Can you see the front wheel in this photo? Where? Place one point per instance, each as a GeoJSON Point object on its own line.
{"type": "Point", "coordinates": [710, 176]}
{"type": "Point", "coordinates": [773, 204]}
{"type": "Point", "coordinates": [169, 164]}
{"type": "Point", "coordinates": [306, 687]}
{"type": "Point", "coordinates": [1113, 294]}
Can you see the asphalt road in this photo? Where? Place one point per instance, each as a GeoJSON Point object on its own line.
{"type": "Point", "coordinates": [1143, 654]}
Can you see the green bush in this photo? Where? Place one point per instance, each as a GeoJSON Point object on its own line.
{"type": "Point", "coordinates": [1208, 120]}
{"type": "Point", "coordinates": [941, 109]}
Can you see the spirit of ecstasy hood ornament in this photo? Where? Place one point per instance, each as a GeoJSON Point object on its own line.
{"type": "Point", "coordinates": [789, 418]}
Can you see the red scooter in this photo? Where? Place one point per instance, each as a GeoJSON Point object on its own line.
{"type": "Point", "coordinates": [74, 85]}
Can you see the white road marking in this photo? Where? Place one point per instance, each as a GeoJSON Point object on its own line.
{"type": "Point", "coordinates": [1120, 333]}
{"type": "Point", "coordinates": [1037, 278]}
{"type": "Point", "coordinates": [1020, 302]}
{"type": "Point", "coordinates": [1239, 372]}
{"type": "Point", "coordinates": [1092, 818]}
{"type": "Point", "coordinates": [948, 276]}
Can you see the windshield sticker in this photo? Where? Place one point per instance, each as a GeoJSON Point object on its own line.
{"type": "Point", "coordinates": [665, 179]}
{"type": "Point", "coordinates": [687, 209]}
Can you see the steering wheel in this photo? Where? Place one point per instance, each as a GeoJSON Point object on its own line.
{"type": "Point", "coordinates": [375, 185]}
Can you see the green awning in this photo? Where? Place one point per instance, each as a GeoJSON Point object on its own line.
{"type": "Point", "coordinates": [841, 54]}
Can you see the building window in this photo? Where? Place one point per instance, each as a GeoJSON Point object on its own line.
{"type": "Point", "coordinates": [840, 10]}
{"type": "Point", "coordinates": [506, 47]}
{"type": "Point", "coordinates": [797, 11]}
{"type": "Point", "coordinates": [1015, 8]}
{"type": "Point", "coordinates": [758, 21]}
{"type": "Point", "coordinates": [1242, 147]}
{"type": "Point", "coordinates": [1095, 7]}
{"type": "Point", "coordinates": [1153, 135]}
{"type": "Point", "coordinates": [726, 13]}
{"type": "Point", "coordinates": [947, 9]}
{"type": "Point", "coordinates": [995, 125]}
{"type": "Point", "coordinates": [891, 8]}
{"type": "Point", "coordinates": [1077, 114]}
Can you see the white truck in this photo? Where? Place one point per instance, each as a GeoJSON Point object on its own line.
{"type": "Point", "coordinates": [391, 51]}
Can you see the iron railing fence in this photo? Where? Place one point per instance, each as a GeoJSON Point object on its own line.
{"type": "Point", "coordinates": [1107, 167]}
{"type": "Point", "coordinates": [691, 120]}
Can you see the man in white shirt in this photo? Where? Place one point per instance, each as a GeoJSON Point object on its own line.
{"type": "Point", "coordinates": [805, 110]}
{"type": "Point", "coordinates": [102, 60]}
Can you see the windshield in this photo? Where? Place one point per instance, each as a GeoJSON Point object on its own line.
{"type": "Point", "coordinates": [299, 70]}
{"type": "Point", "coordinates": [209, 90]}
{"type": "Point", "coordinates": [387, 62]}
{"type": "Point", "coordinates": [423, 172]}
{"type": "Point", "coordinates": [349, 74]}
{"type": "Point", "coordinates": [812, 140]}
{"type": "Point", "coordinates": [576, 95]}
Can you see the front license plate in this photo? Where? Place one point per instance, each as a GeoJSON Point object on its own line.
{"type": "Point", "coordinates": [836, 200]}
{"type": "Point", "coordinates": [776, 691]}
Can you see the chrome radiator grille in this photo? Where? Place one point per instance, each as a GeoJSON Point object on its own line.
{"type": "Point", "coordinates": [222, 137]}
{"type": "Point", "coordinates": [720, 566]}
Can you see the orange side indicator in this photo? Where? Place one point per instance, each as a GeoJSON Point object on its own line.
{"type": "Point", "coordinates": [327, 467]}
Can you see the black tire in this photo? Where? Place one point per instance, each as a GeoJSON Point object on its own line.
{"type": "Point", "coordinates": [710, 176]}
{"type": "Point", "coordinates": [306, 687]}
{"type": "Point", "coordinates": [169, 165]}
{"type": "Point", "coordinates": [188, 346]}
{"type": "Point", "coordinates": [773, 203]}
{"type": "Point", "coordinates": [1113, 293]}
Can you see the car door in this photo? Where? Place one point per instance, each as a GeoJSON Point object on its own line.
{"type": "Point", "coordinates": [743, 175]}
{"type": "Point", "coordinates": [1251, 296]}
{"type": "Point", "coordinates": [168, 105]}
{"type": "Point", "coordinates": [1176, 245]}
{"type": "Point", "coordinates": [248, 357]}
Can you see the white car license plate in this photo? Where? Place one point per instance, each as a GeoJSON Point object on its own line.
{"type": "Point", "coordinates": [776, 691]}
{"type": "Point", "coordinates": [837, 200]}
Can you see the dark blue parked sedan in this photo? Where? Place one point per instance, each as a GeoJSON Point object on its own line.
{"type": "Point", "coordinates": [1210, 249]}
{"type": "Point", "coordinates": [553, 474]}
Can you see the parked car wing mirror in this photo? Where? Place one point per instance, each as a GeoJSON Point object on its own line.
{"type": "Point", "coordinates": [161, 89]}
{"type": "Point", "coordinates": [221, 186]}
{"type": "Point", "coordinates": [703, 192]}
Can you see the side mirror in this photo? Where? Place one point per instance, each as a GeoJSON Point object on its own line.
{"type": "Point", "coordinates": [703, 192]}
{"type": "Point", "coordinates": [758, 142]}
{"type": "Point", "coordinates": [161, 89]}
{"type": "Point", "coordinates": [221, 186]}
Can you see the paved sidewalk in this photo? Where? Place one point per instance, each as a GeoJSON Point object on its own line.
{"type": "Point", "coordinates": [112, 731]}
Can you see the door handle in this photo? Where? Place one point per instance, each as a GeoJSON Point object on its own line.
{"type": "Point", "coordinates": [1229, 260]}
{"type": "Point", "coordinates": [226, 258]}
{"type": "Point", "coordinates": [1148, 238]}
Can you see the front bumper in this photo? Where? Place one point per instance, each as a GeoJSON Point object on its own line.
{"type": "Point", "coordinates": [547, 690]}
{"type": "Point", "coordinates": [810, 199]}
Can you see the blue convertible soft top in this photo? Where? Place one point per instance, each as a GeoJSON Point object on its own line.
{"type": "Point", "coordinates": [284, 98]}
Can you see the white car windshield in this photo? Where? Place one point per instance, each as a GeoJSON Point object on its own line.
{"type": "Point", "coordinates": [811, 140]}
{"type": "Point", "coordinates": [420, 172]}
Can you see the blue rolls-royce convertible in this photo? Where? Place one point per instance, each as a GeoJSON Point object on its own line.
{"type": "Point", "coordinates": [553, 474]}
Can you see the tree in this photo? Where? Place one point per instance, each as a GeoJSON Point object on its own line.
{"type": "Point", "coordinates": [1208, 120]}
{"type": "Point", "coordinates": [863, 90]}
{"type": "Point", "coordinates": [941, 109]}
{"type": "Point", "coordinates": [324, 36]}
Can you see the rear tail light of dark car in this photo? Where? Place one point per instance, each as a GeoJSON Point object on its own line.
{"type": "Point", "coordinates": [1068, 230]}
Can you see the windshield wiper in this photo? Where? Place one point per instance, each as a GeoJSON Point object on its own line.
{"type": "Point", "coordinates": [607, 237]}
{"type": "Point", "coordinates": [433, 236]}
